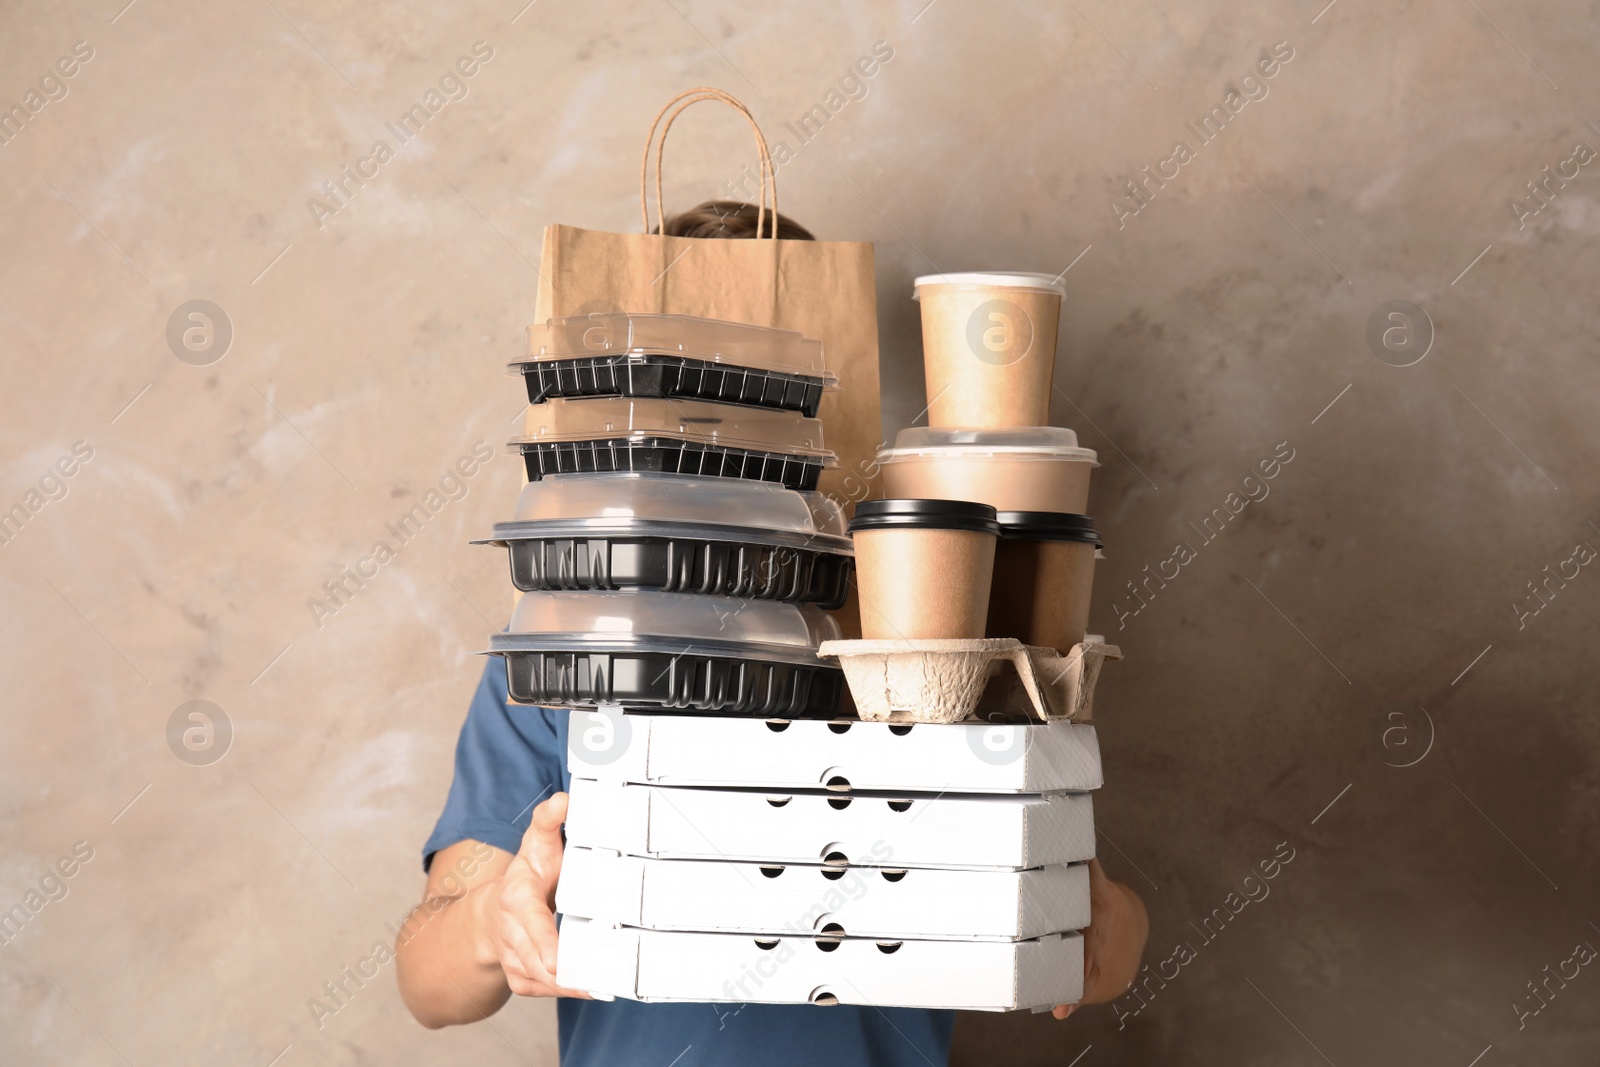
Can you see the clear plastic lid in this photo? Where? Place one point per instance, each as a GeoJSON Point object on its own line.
{"type": "Point", "coordinates": [625, 495]}
{"type": "Point", "coordinates": [731, 425]}
{"type": "Point", "coordinates": [678, 623]}
{"type": "Point", "coordinates": [632, 501]}
{"type": "Point", "coordinates": [1051, 283]}
{"type": "Point", "coordinates": [618, 333]}
{"type": "Point", "coordinates": [1046, 442]}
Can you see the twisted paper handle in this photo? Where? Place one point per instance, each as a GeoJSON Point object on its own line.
{"type": "Point", "coordinates": [689, 97]}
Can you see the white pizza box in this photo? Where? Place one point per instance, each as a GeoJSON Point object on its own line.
{"type": "Point", "coordinates": [965, 757]}
{"type": "Point", "coordinates": [653, 965]}
{"type": "Point", "coordinates": [797, 826]}
{"type": "Point", "coordinates": [804, 899]}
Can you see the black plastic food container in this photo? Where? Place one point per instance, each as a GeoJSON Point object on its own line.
{"type": "Point", "coordinates": [665, 377]}
{"type": "Point", "coordinates": [674, 681]}
{"type": "Point", "coordinates": [710, 536]}
{"type": "Point", "coordinates": [669, 455]}
{"type": "Point", "coordinates": [674, 357]}
{"type": "Point", "coordinates": [654, 651]}
{"type": "Point", "coordinates": [675, 560]}
{"type": "Point", "coordinates": [569, 436]}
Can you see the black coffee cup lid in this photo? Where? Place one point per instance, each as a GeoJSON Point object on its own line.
{"type": "Point", "coordinates": [912, 514]}
{"type": "Point", "coordinates": [1047, 526]}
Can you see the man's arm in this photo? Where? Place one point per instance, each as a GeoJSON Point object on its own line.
{"type": "Point", "coordinates": [486, 928]}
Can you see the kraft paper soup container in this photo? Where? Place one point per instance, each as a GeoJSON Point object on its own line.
{"type": "Point", "coordinates": [1034, 468]}
{"type": "Point", "coordinates": [923, 567]}
{"type": "Point", "coordinates": [1043, 575]}
{"type": "Point", "coordinates": [989, 346]}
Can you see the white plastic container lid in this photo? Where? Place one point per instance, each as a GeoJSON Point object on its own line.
{"type": "Point", "coordinates": [732, 425]}
{"type": "Point", "coordinates": [1051, 283]}
{"type": "Point", "coordinates": [714, 340]}
{"type": "Point", "coordinates": [1042, 442]}
{"type": "Point", "coordinates": [650, 620]}
{"type": "Point", "coordinates": [676, 505]}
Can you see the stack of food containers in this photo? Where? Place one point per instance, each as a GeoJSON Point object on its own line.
{"type": "Point", "coordinates": [766, 855]}
{"type": "Point", "coordinates": [983, 535]}
{"type": "Point", "coordinates": [988, 498]}
{"type": "Point", "coordinates": [670, 548]}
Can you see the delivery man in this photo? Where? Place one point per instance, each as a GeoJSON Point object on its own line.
{"type": "Point", "coordinates": [486, 928]}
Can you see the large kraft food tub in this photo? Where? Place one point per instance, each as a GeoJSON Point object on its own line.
{"type": "Point", "coordinates": [673, 437]}
{"type": "Point", "coordinates": [655, 651]}
{"type": "Point", "coordinates": [1034, 468]}
{"type": "Point", "coordinates": [674, 356]}
{"type": "Point", "coordinates": [712, 536]}
{"type": "Point", "coordinates": [1043, 575]}
{"type": "Point", "coordinates": [989, 346]}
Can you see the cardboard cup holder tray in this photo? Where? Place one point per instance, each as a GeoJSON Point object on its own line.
{"type": "Point", "coordinates": [995, 679]}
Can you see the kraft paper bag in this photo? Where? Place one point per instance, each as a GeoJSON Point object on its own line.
{"type": "Point", "coordinates": [826, 290]}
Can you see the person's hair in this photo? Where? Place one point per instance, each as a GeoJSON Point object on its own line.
{"type": "Point", "coordinates": [731, 218]}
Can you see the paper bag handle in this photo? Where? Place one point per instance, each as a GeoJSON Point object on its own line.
{"type": "Point", "coordinates": [694, 96]}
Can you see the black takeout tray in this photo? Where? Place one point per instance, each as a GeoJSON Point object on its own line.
{"type": "Point", "coordinates": [669, 455]}
{"type": "Point", "coordinates": [687, 681]}
{"type": "Point", "coordinates": [670, 377]}
{"type": "Point", "coordinates": [679, 559]}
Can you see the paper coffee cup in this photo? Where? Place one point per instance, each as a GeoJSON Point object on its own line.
{"type": "Point", "coordinates": [1043, 575]}
{"type": "Point", "coordinates": [1037, 468]}
{"type": "Point", "coordinates": [923, 568]}
{"type": "Point", "coordinates": [989, 347]}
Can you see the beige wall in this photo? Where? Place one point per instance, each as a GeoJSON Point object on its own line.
{"type": "Point", "coordinates": [1216, 323]}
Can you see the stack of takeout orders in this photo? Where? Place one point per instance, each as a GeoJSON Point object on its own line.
{"type": "Point", "coordinates": [736, 832]}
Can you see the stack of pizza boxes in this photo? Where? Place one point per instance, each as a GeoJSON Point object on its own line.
{"type": "Point", "coordinates": [741, 827]}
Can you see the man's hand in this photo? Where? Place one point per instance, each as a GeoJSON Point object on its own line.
{"type": "Point", "coordinates": [1113, 943]}
{"type": "Point", "coordinates": [519, 920]}
{"type": "Point", "coordinates": [486, 927]}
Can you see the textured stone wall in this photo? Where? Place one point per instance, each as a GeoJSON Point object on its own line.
{"type": "Point", "coordinates": [1348, 664]}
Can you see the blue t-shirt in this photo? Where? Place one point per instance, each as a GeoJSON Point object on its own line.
{"type": "Point", "coordinates": [511, 757]}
